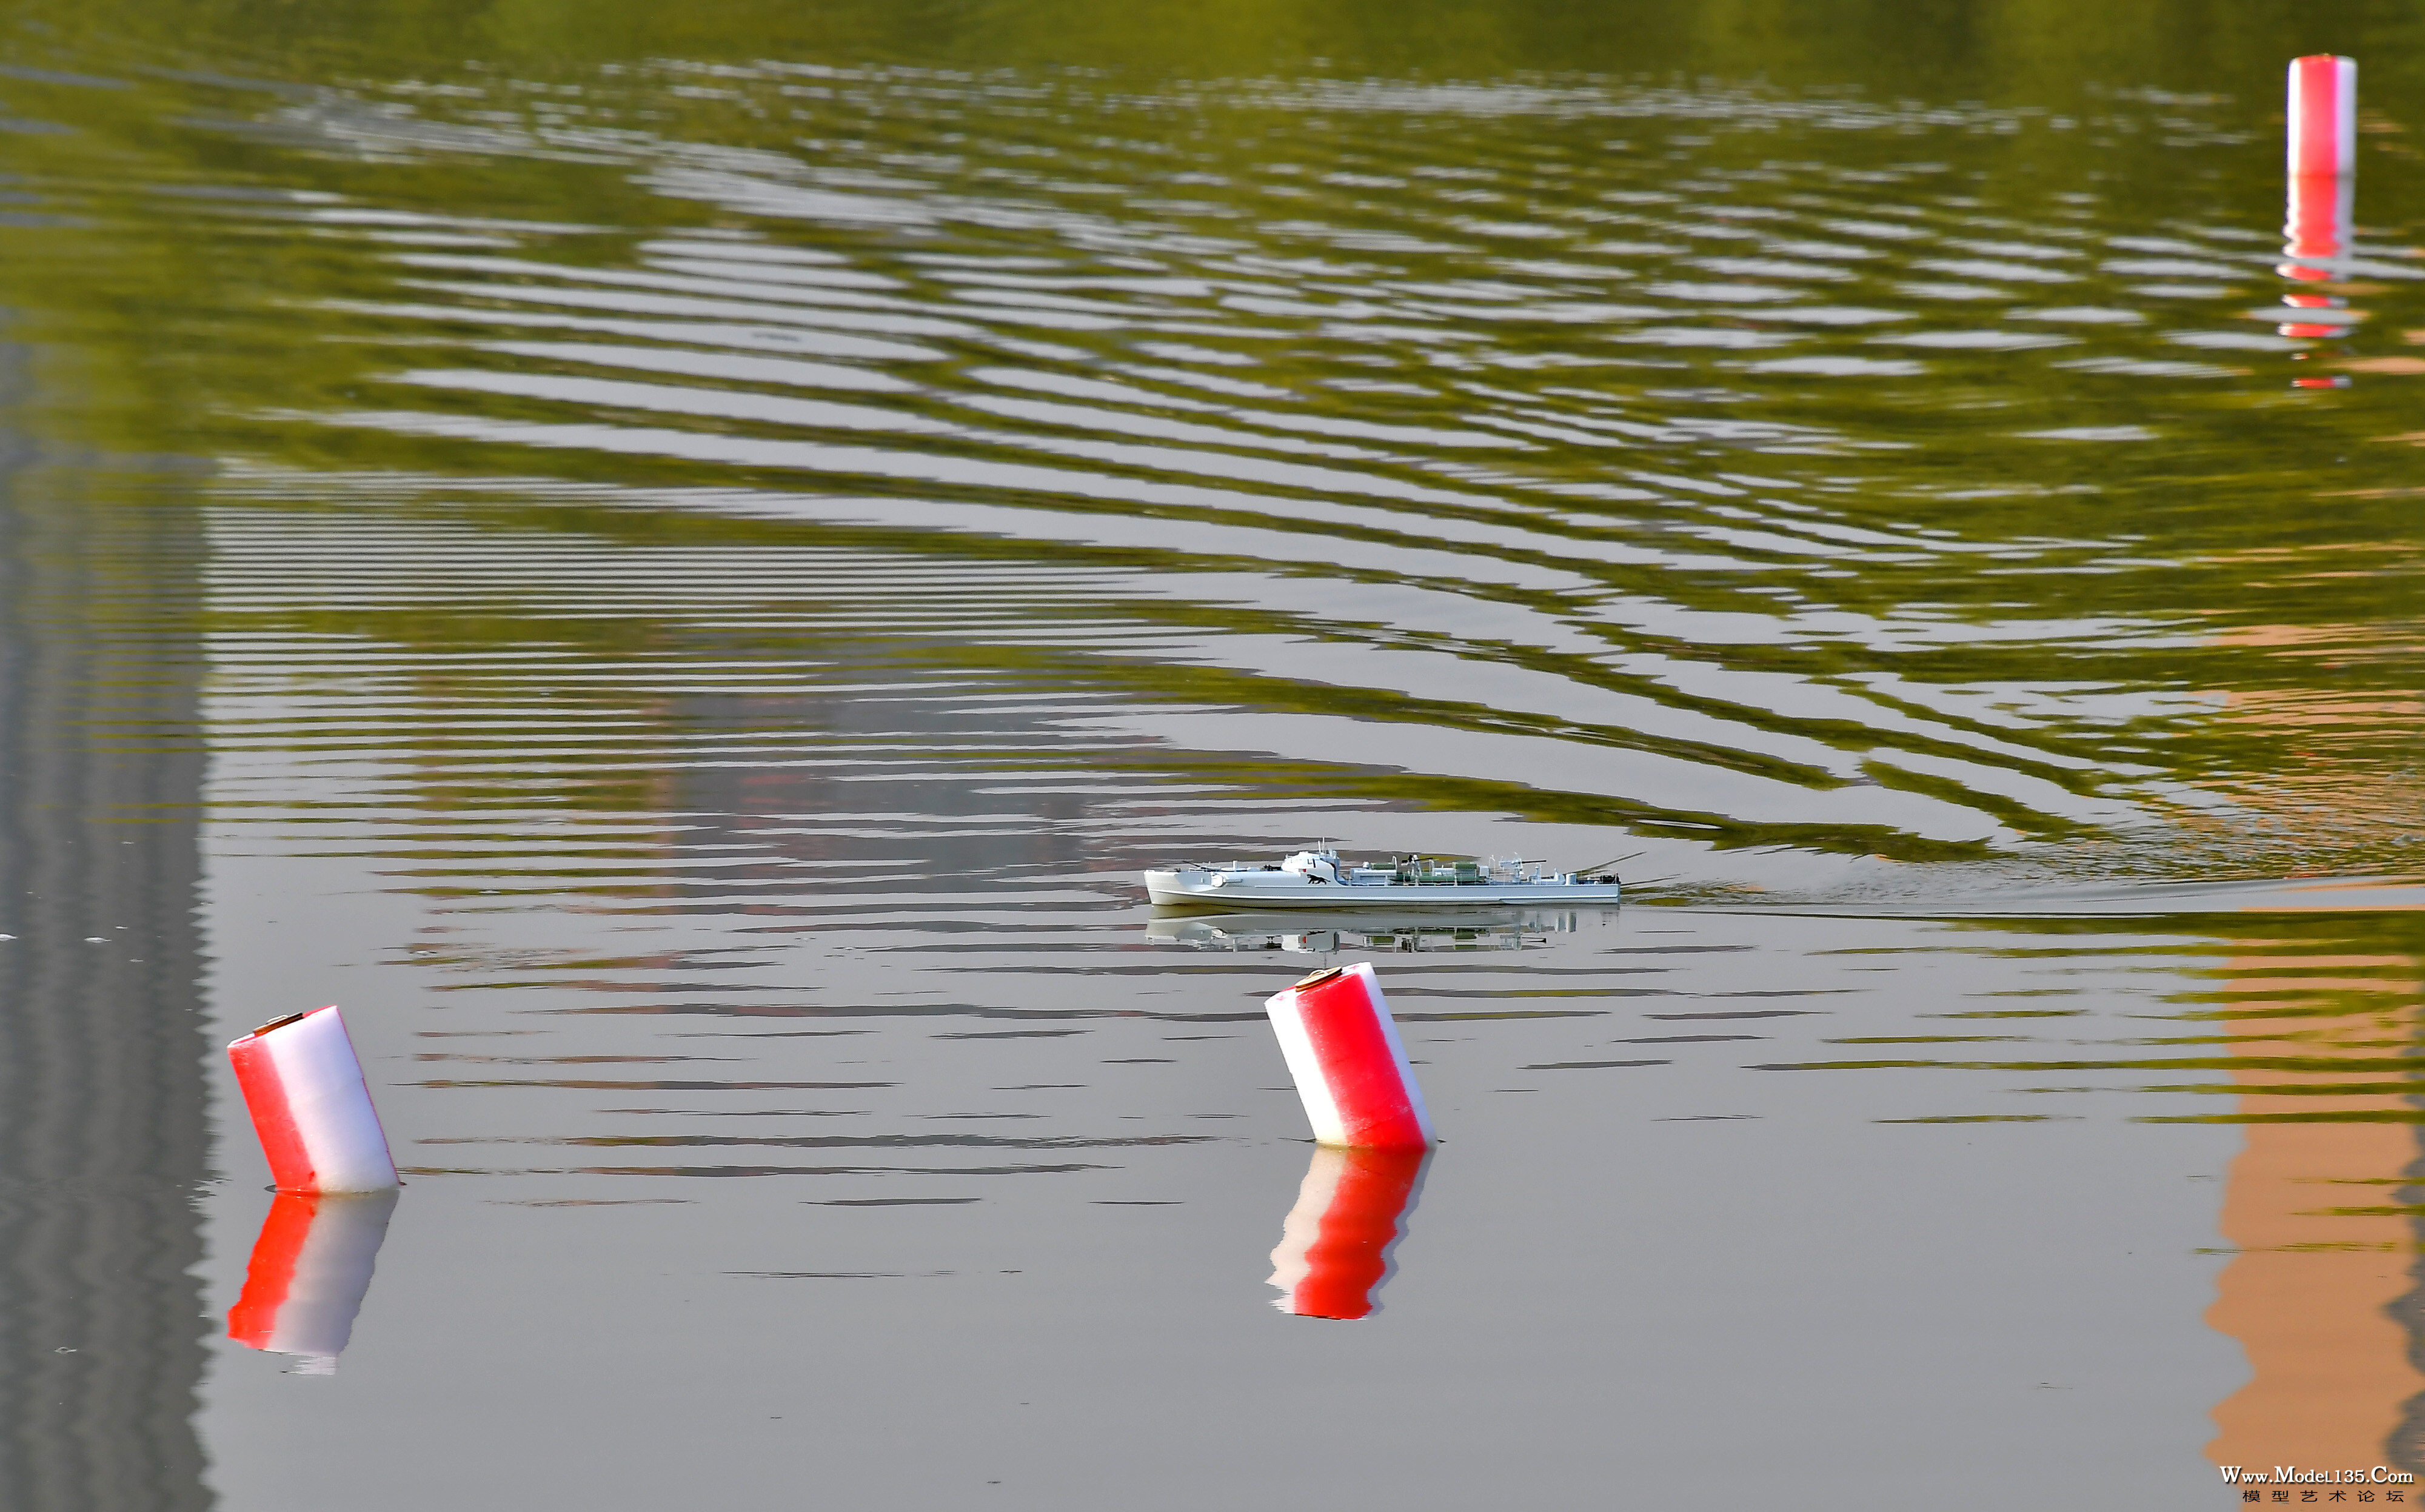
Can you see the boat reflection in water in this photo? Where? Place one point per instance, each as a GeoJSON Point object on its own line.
{"type": "Point", "coordinates": [1337, 1245]}
{"type": "Point", "coordinates": [1325, 934]}
{"type": "Point", "coordinates": [310, 1269]}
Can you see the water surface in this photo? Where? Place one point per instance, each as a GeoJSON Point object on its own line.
{"type": "Point", "coordinates": [677, 566]}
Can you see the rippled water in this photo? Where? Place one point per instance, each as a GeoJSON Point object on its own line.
{"type": "Point", "coordinates": [679, 568]}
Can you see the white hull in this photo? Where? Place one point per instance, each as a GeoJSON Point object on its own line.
{"type": "Point", "coordinates": [1228, 889]}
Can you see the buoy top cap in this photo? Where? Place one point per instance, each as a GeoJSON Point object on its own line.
{"type": "Point", "coordinates": [281, 1023]}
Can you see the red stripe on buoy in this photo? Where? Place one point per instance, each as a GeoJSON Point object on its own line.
{"type": "Point", "coordinates": [1350, 1072]}
{"type": "Point", "coordinates": [253, 1320]}
{"type": "Point", "coordinates": [1333, 1259]}
{"type": "Point", "coordinates": [273, 1112]}
{"type": "Point", "coordinates": [1358, 1063]}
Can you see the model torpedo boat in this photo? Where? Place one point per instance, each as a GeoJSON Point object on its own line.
{"type": "Point", "coordinates": [1319, 879]}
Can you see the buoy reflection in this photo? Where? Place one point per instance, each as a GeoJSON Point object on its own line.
{"type": "Point", "coordinates": [310, 1269]}
{"type": "Point", "coordinates": [1337, 1245]}
{"type": "Point", "coordinates": [2318, 236]}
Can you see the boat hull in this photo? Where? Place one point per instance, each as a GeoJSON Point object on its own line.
{"type": "Point", "coordinates": [1288, 890]}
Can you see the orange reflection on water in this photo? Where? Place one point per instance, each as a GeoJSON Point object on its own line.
{"type": "Point", "coordinates": [2311, 1208]}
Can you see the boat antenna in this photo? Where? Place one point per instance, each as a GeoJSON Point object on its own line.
{"type": "Point", "coordinates": [1617, 861]}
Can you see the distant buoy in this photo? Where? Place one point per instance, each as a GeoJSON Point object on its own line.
{"type": "Point", "coordinates": [2322, 117]}
{"type": "Point", "coordinates": [2317, 227]}
{"type": "Point", "coordinates": [1336, 1245]}
{"type": "Point", "coordinates": [310, 1269]}
{"type": "Point", "coordinates": [304, 1089]}
{"type": "Point", "coordinates": [1351, 1071]}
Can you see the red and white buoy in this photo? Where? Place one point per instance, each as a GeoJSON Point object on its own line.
{"type": "Point", "coordinates": [304, 1088]}
{"type": "Point", "coordinates": [1351, 1071]}
{"type": "Point", "coordinates": [2324, 116]}
{"type": "Point", "coordinates": [1335, 1246]}
{"type": "Point", "coordinates": [2317, 228]}
{"type": "Point", "coordinates": [310, 1269]}
{"type": "Point", "coordinates": [2321, 149]}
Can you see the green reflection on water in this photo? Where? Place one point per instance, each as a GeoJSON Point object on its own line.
{"type": "Point", "coordinates": [2103, 588]}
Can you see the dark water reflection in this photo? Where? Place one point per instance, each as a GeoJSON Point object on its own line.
{"type": "Point", "coordinates": [678, 564]}
{"type": "Point", "coordinates": [103, 1120]}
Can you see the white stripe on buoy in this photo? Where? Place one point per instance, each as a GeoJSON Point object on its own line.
{"type": "Point", "coordinates": [310, 1269]}
{"type": "Point", "coordinates": [1343, 1047]}
{"type": "Point", "coordinates": [1334, 1245]}
{"type": "Point", "coordinates": [304, 1089]}
{"type": "Point", "coordinates": [2324, 116]}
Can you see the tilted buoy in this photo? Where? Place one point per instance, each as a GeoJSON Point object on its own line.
{"type": "Point", "coordinates": [304, 1088]}
{"type": "Point", "coordinates": [1351, 1071]}
{"type": "Point", "coordinates": [310, 1269]}
{"type": "Point", "coordinates": [1334, 1245]}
